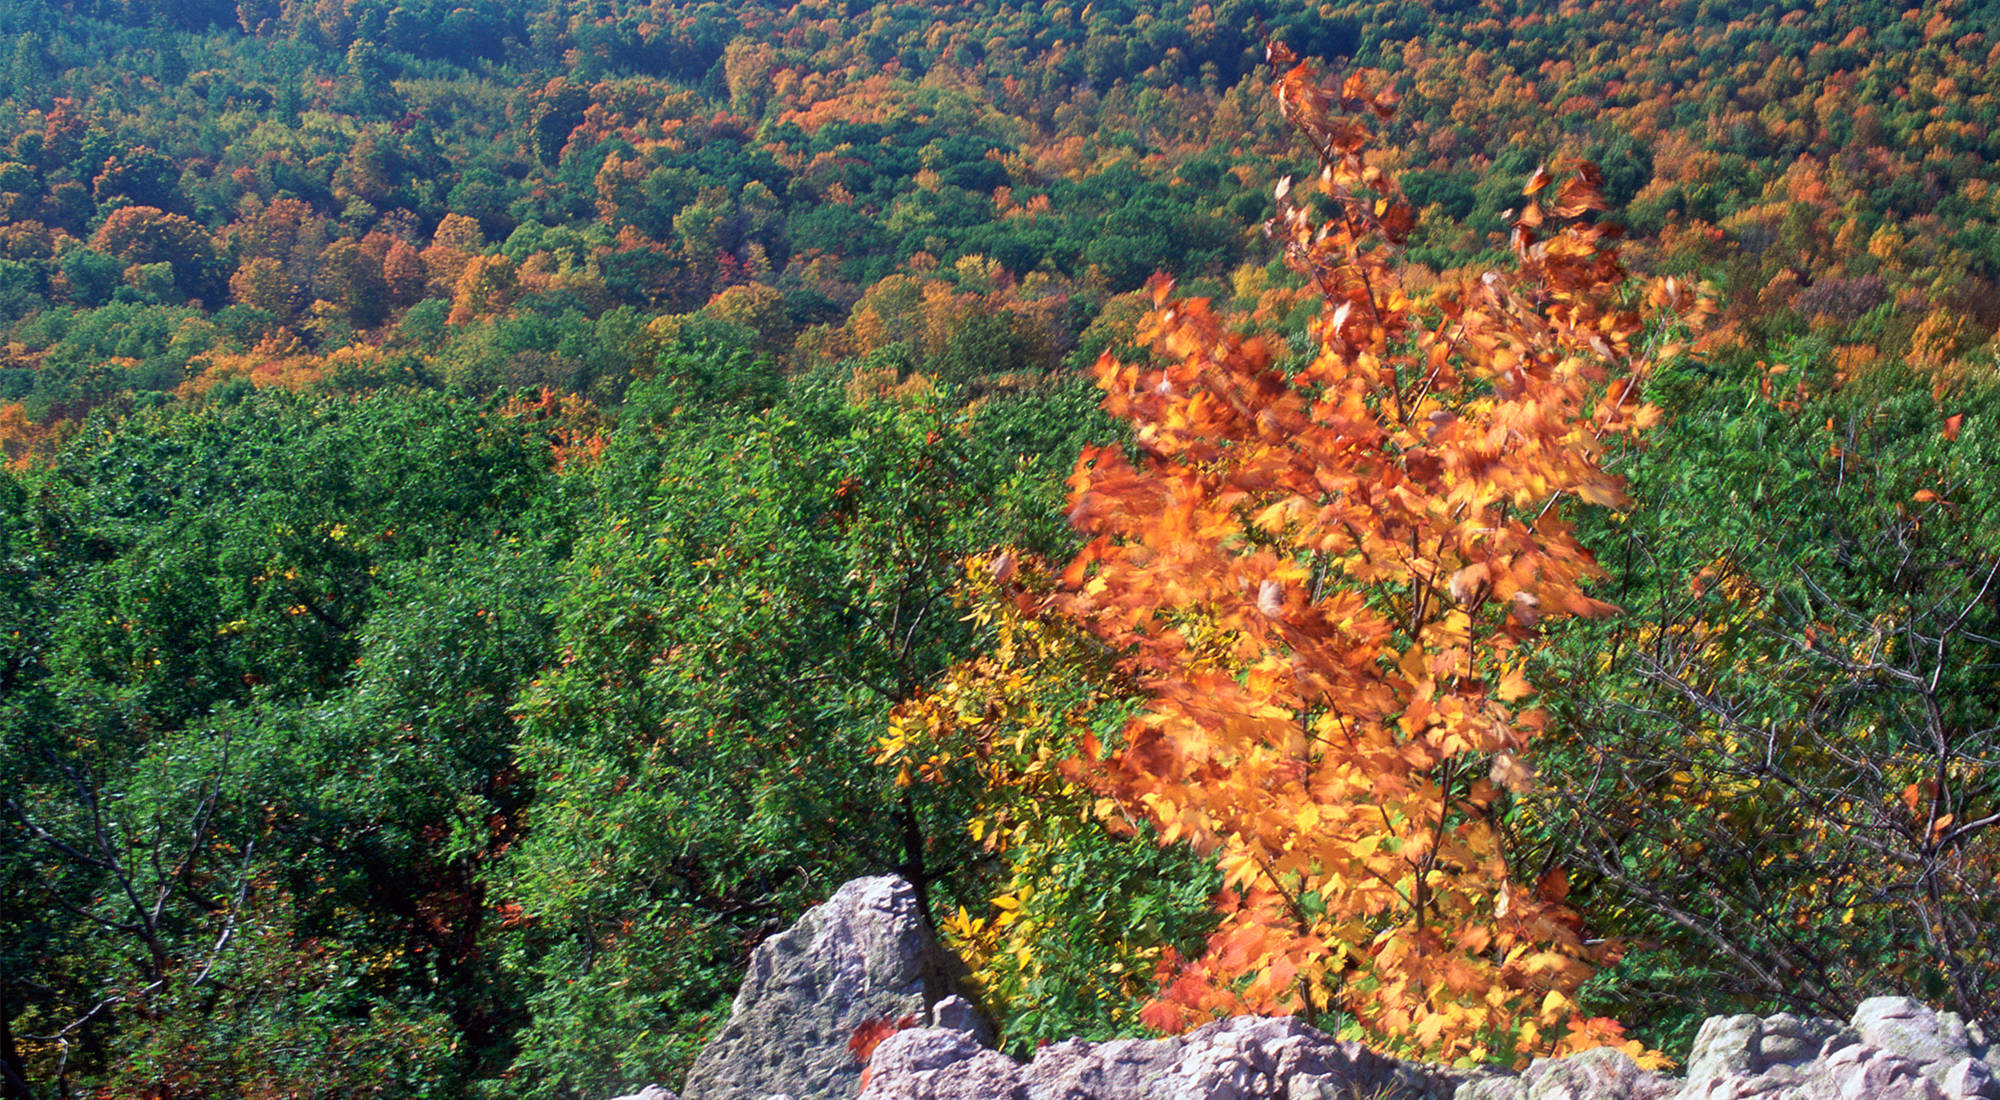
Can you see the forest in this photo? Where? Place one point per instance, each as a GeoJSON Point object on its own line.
{"type": "Point", "coordinates": [1468, 521]}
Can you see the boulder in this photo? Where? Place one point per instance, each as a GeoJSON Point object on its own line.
{"type": "Point", "coordinates": [936, 1063]}
{"type": "Point", "coordinates": [867, 954]}
{"type": "Point", "coordinates": [1125, 1067]}
{"type": "Point", "coordinates": [1969, 1079]}
{"type": "Point", "coordinates": [1603, 1072]}
{"type": "Point", "coordinates": [1777, 1057]}
{"type": "Point", "coordinates": [1936, 1041]}
{"type": "Point", "coordinates": [1245, 1058]}
{"type": "Point", "coordinates": [1894, 1049]}
{"type": "Point", "coordinates": [1863, 1072]}
{"type": "Point", "coordinates": [1284, 1058]}
{"type": "Point", "coordinates": [1726, 1045]}
{"type": "Point", "coordinates": [1788, 1040]}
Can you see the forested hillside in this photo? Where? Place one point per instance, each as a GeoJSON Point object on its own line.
{"type": "Point", "coordinates": [507, 503]}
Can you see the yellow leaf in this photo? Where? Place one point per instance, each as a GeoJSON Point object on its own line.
{"type": "Point", "coordinates": [1554, 1007]}
{"type": "Point", "coordinates": [1414, 664]}
{"type": "Point", "coordinates": [1273, 518]}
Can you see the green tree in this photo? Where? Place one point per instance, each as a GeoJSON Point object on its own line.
{"type": "Point", "coordinates": [1779, 765]}
{"type": "Point", "coordinates": [703, 752]}
{"type": "Point", "coordinates": [257, 740]}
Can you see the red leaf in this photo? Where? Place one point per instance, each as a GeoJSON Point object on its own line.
{"type": "Point", "coordinates": [871, 1033]}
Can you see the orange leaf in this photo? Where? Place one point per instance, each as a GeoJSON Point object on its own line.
{"type": "Point", "coordinates": [870, 1034]}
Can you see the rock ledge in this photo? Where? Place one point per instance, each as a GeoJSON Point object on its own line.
{"type": "Point", "coordinates": [867, 954]}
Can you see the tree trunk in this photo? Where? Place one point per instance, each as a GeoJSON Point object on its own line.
{"type": "Point", "coordinates": [13, 1070]}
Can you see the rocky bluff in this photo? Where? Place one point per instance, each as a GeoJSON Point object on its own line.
{"type": "Point", "coordinates": [868, 954]}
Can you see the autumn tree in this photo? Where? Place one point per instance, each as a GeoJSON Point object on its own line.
{"type": "Point", "coordinates": [1322, 574]}
{"type": "Point", "coordinates": [457, 240]}
{"type": "Point", "coordinates": [147, 235]}
{"type": "Point", "coordinates": [352, 279]}
{"type": "Point", "coordinates": [403, 271]}
{"type": "Point", "coordinates": [137, 177]}
{"type": "Point", "coordinates": [261, 284]}
{"type": "Point", "coordinates": [485, 287]}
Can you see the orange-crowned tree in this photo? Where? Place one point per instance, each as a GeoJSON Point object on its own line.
{"type": "Point", "coordinates": [1319, 573]}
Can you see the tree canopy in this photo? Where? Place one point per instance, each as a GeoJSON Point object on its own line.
{"type": "Point", "coordinates": [505, 505]}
